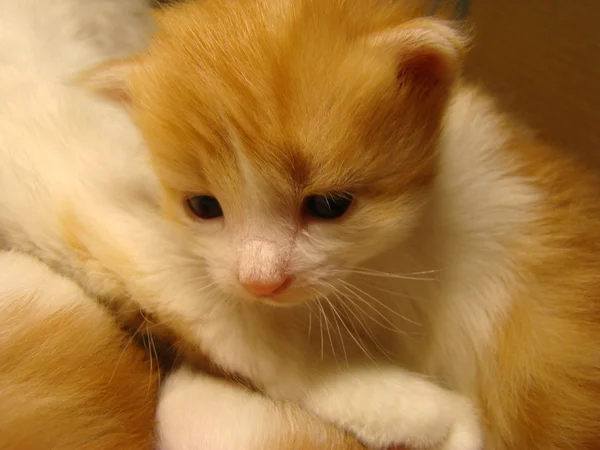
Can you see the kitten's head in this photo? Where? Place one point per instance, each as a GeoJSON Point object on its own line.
{"type": "Point", "coordinates": [294, 139]}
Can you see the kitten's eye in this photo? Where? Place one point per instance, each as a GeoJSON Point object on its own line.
{"type": "Point", "coordinates": [205, 207]}
{"type": "Point", "coordinates": [328, 207]}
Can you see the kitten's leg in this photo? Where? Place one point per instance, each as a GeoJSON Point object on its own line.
{"type": "Point", "coordinates": [199, 412]}
{"type": "Point", "coordinates": [388, 406]}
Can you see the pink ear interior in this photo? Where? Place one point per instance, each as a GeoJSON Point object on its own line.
{"type": "Point", "coordinates": [427, 68]}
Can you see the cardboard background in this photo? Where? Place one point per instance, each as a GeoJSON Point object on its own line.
{"type": "Point", "coordinates": [542, 59]}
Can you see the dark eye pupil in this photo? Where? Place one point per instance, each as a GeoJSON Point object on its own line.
{"type": "Point", "coordinates": [205, 207]}
{"type": "Point", "coordinates": [329, 206]}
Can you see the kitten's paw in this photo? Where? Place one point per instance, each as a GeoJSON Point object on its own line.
{"type": "Point", "coordinates": [465, 433]}
{"type": "Point", "coordinates": [395, 409]}
{"type": "Point", "coordinates": [454, 426]}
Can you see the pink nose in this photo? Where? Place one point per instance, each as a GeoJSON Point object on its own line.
{"type": "Point", "coordinates": [267, 289]}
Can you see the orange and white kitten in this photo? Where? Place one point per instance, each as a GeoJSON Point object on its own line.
{"type": "Point", "coordinates": [70, 379]}
{"type": "Point", "coordinates": [343, 222]}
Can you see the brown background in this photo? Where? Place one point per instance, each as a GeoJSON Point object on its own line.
{"type": "Point", "coordinates": [542, 59]}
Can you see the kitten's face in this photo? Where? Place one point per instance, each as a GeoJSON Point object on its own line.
{"type": "Point", "coordinates": [290, 151]}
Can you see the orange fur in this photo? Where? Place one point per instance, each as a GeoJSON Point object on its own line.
{"type": "Point", "coordinates": [540, 385]}
{"type": "Point", "coordinates": [186, 132]}
{"type": "Point", "coordinates": [70, 380]}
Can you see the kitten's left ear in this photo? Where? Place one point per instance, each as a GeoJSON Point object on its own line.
{"type": "Point", "coordinates": [429, 52]}
{"type": "Point", "coordinates": [109, 80]}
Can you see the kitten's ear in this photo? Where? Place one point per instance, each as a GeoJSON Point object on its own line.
{"type": "Point", "coordinates": [429, 52]}
{"type": "Point", "coordinates": [109, 80]}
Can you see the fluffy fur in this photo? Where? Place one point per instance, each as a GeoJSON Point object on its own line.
{"type": "Point", "coordinates": [469, 254]}
{"type": "Point", "coordinates": [200, 412]}
{"type": "Point", "coordinates": [69, 378]}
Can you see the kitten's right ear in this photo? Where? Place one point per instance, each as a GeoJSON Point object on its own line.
{"type": "Point", "coordinates": [109, 80]}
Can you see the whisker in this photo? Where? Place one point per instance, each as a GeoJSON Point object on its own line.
{"type": "Point", "coordinates": [310, 314]}
{"type": "Point", "coordinates": [376, 273]}
{"type": "Point", "coordinates": [335, 317]}
{"type": "Point", "coordinates": [388, 325]}
{"type": "Point", "coordinates": [379, 302]}
{"type": "Point", "coordinates": [144, 337]}
{"type": "Point", "coordinates": [321, 330]}
{"type": "Point", "coordinates": [356, 338]}
{"type": "Point", "coordinates": [129, 341]}
{"type": "Point", "coordinates": [364, 325]}
{"type": "Point", "coordinates": [387, 291]}
{"type": "Point", "coordinates": [418, 272]}
{"type": "Point", "coordinates": [155, 351]}
{"type": "Point", "coordinates": [327, 327]}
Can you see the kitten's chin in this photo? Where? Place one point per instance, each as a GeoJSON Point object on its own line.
{"type": "Point", "coordinates": [278, 302]}
{"type": "Point", "coordinates": [283, 300]}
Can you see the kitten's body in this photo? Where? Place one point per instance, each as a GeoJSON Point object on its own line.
{"type": "Point", "coordinates": [69, 378]}
{"type": "Point", "coordinates": [258, 102]}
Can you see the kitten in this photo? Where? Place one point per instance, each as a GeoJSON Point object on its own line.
{"type": "Point", "coordinates": [69, 378]}
{"type": "Point", "coordinates": [334, 195]}
{"type": "Point", "coordinates": [307, 149]}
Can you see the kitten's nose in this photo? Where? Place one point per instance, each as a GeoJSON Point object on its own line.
{"type": "Point", "coordinates": [267, 289]}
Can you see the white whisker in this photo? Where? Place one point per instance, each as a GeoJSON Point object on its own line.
{"type": "Point", "coordinates": [321, 330]}
{"type": "Point", "coordinates": [379, 302]}
{"type": "Point", "coordinates": [335, 317]}
{"type": "Point", "coordinates": [388, 325]}
{"type": "Point", "coordinates": [414, 276]}
{"type": "Point", "coordinates": [327, 325]}
{"type": "Point", "coordinates": [131, 338]}
{"type": "Point", "coordinates": [153, 348]}
{"type": "Point", "coordinates": [355, 336]}
{"type": "Point", "coordinates": [365, 327]}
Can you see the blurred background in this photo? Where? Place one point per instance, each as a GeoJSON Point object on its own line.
{"type": "Point", "coordinates": [541, 59]}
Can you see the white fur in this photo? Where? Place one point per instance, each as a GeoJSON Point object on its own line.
{"type": "Point", "coordinates": [195, 409]}
{"type": "Point", "coordinates": [199, 412]}
{"type": "Point", "coordinates": [482, 208]}
{"type": "Point", "coordinates": [29, 278]}
{"type": "Point", "coordinates": [51, 132]}
{"type": "Point", "coordinates": [62, 149]}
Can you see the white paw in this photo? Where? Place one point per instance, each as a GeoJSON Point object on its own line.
{"type": "Point", "coordinates": [447, 422]}
{"type": "Point", "coordinates": [389, 409]}
{"type": "Point", "coordinates": [465, 431]}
